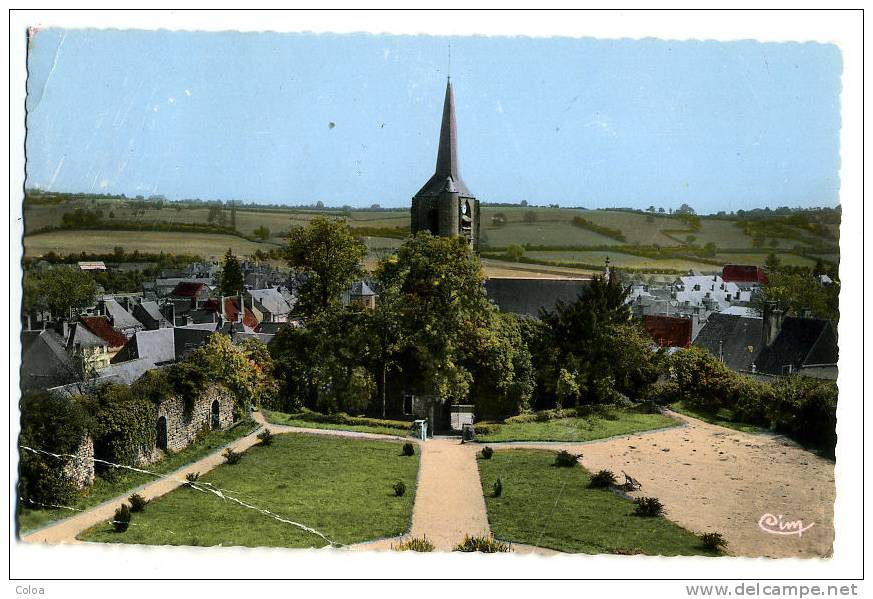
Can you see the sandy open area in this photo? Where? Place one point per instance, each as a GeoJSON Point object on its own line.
{"type": "Point", "coordinates": [715, 479]}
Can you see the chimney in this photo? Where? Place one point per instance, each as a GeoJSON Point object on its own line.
{"type": "Point", "coordinates": [173, 313]}
{"type": "Point", "coordinates": [62, 328]}
{"type": "Point", "coordinates": [772, 323]}
{"type": "Point", "coordinates": [223, 312]}
{"type": "Point", "coordinates": [242, 308]}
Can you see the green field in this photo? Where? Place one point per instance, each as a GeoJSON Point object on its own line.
{"type": "Point", "coordinates": [341, 488]}
{"type": "Point", "coordinates": [127, 480]}
{"type": "Point", "coordinates": [620, 260]}
{"type": "Point", "coordinates": [617, 422]}
{"type": "Point", "coordinates": [553, 507]}
{"type": "Point", "coordinates": [552, 228]}
{"type": "Point", "coordinates": [208, 245]}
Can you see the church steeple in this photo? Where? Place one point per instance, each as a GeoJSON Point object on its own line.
{"type": "Point", "coordinates": [444, 205]}
{"type": "Point", "coordinates": [447, 165]}
{"type": "Point", "coordinates": [447, 155]}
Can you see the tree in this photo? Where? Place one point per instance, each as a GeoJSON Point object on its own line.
{"type": "Point", "coordinates": [499, 219]}
{"type": "Point", "coordinates": [230, 278]}
{"type": "Point", "coordinates": [514, 252]}
{"type": "Point", "coordinates": [60, 290]}
{"type": "Point", "coordinates": [262, 232]}
{"type": "Point", "coordinates": [772, 263]}
{"type": "Point", "coordinates": [794, 292]}
{"type": "Point", "coordinates": [329, 256]}
{"type": "Point", "coordinates": [709, 249]}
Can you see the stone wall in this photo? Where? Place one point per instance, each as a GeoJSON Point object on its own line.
{"type": "Point", "coordinates": [80, 469]}
{"type": "Point", "coordinates": [183, 427]}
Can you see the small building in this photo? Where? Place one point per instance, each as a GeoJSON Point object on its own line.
{"type": "Point", "coordinates": [743, 274]}
{"type": "Point", "coordinates": [149, 314]}
{"type": "Point", "coordinates": [45, 362]}
{"type": "Point", "coordinates": [360, 294]}
{"type": "Point", "coordinates": [89, 352]}
{"type": "Point", "coordinates": [272, 304]}
{"type": "Point", "coordinates": [97, 265]}
{"type": "Point", "coordinates": [804, 346]}
{"type": "Point", "coordinates": [100, 326]}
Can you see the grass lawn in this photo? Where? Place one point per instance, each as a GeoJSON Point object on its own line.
{"type": "Point", "coordinates": [340, 487]}
{"type": "Point", "coordinates": [378, 429]}
{"type": "Point", "coordinates": [127, 480]}
{"type": "Point", "coordinates": [619, 422]}
{"type": "Point", "coordinates": [723, 417]}
{"type": "Point", "coordinates": [553, 507]}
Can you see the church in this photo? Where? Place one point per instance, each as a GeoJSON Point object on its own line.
{"type": "Point", "coordinates": [444, 205]}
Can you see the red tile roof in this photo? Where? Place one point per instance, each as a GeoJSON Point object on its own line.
{"type": "Point", "coordinates": [668, 331]}
{"type": "Point", "coordinates": [740, 273]}
{"type": "Point", "coordinates": [231, 308]}
{"type": "Point", "coordinates": [100, 326]}
{"type": "Point", "coordinates": [188, 289]}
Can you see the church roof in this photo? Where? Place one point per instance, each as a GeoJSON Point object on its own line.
{"type": "Point", "coordinates": [447, 166]}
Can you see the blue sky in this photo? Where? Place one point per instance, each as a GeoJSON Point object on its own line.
{"type": "Point", "coordinates": [577, 122]}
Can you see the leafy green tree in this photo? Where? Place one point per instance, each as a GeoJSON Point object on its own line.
{"type": "Point", "coordinates": [796, 291]}
{"type": "Point", "coordinates": [514, 252]}
{"type": "Point", "coordinates": [262, 232]}
{"type": "Point", "coordinates": [329, 256]}
{"type": "Point", "coordinates": [230, 278]}
{"type": "Point", "coordinates": [59, 290]}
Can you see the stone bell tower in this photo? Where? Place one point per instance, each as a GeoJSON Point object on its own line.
{"type": "Point", "coordinates": [444, 206]}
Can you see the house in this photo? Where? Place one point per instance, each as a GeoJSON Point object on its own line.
{"type": "Point", "coordinates": [734, 339]}
{"type": "Point", "coordinates": [191, 290]}
{"type": "Point", "coordinates": [92, 266]}
{"type": "Point", "coordinates": [149, 314]}
{"type": "Point", "coordinates": [45, 362]}
{"type": "Point", "coordinates": [272, 304]}
{"type": "Point", "coordinates": [669, 331]}
{"type": "Point", "coordinates": [162, 346]}
{"type": "Point", "coordinates": [804, 346]}
{"type": "Point", "coordinates": [743, 274]}
{"type": "Point", "coordinates": [360, 294]}
{"type": "Point", "coordinates": [119, 316]}
{"type": "Point", "coordinates": [89, 352]}
{"type": "Point", "coordinates": [531, 295]}
{"type": "Point", "coordinates": [100, 326]}
{"type": "Point", "coordinates": [124, 373]}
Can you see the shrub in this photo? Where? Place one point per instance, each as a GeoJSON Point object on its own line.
{"type": "Point", "coordinates": [414, 544]}
{"type": "Point", "coordinates": [482, 545]}
{"type": "Point", "coordinates": [565, 459]}
{"type": "Point", "coordinates": [648, 507]}
{"type": "Point", "coordinates": [497, 488]}
{"type": "Point", "coordinates": [191, 478]}
{"type": "Point", "coordinates": [55, 424]}
{"type": "Point", "coordinates": [602, 479]}
{"type": "Point", "coordinates": [486, 453]}
{"type": "Point", "coordinates": [232, 457]}
{"type": "Point", "coordinates": [121, 519]}
{"type": "Point", "coordinates": [713, 541]}
{"type": "Point", "coordinates": [399, 488]}
{"type": "Point", "coordinates": [408, 449]}
{"type": "Point", "coordinates": [265, 437]}
{"type": "Point", "coordinates": [137, 502]}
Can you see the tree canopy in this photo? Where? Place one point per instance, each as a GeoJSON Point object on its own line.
{"type": "Point", "coordinates": [230, 278]}
{"type": "Point", "coordinates": [328, 256]}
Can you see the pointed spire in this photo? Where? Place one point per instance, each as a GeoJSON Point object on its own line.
{"type": "Point", "coordinates": [447, 156]}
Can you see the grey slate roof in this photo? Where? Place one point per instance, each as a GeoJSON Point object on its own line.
{"type": "Point", "coordinates": [529, 296]}
{"type": "Point", "coordinates": [149, 313]}
{"type": "Point", "coordinates": [122, 374]}
{"type": "Point", "coordinates": [44, 362]}
{"type": "Point", "coordinates": [447, 166]}
{"type": "Point", "coordinates": [272, 300]}
{"type": "Point", "coordinates": [121, 318]}
{"type": "Point", "coordinates": [162, 346]}
{"type": "Point", "coordinates": [732, 336]}
{"type": "Point", "coordinates": [361, 289]}
{"type": "Point", "coordinates": [82, 337]}
{"type": "Point", "coordinates": [800, 342]}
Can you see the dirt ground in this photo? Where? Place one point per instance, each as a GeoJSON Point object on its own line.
{"type": "Point", "coordinates": [713, 479]}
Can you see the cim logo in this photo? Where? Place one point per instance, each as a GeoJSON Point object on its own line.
{"type": "Point", "coordinates": [777, 525]}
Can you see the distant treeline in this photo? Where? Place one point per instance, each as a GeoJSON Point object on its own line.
{"type": "Point", "coordinates": [584, 223]}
